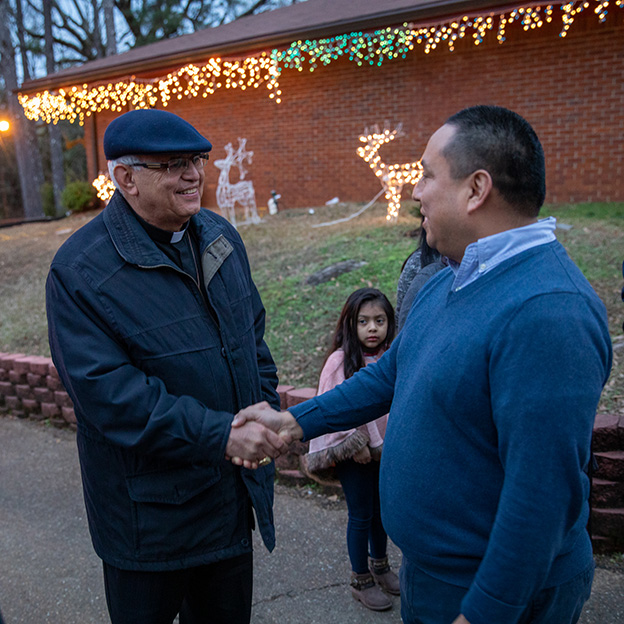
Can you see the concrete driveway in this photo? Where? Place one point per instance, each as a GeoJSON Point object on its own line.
{"type": "Point", "coordinates": [50, 574]}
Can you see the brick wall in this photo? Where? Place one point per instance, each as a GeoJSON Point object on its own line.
{"type": "Point", "coordinates": [608, 484]}
{"type": "Point", "coordinates": [570, 89]}
{"type": "Point", "coordinates": [30, 388]}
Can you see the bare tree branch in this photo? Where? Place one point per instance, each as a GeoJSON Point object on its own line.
{"type": "Point", "coordinates": [253, 8]}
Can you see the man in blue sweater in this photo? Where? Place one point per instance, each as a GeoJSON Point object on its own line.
{"type": "Point", "coordinates": [492, 388]}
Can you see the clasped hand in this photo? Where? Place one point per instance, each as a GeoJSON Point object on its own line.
{"type": "Point", "coordinates": [260, 431]}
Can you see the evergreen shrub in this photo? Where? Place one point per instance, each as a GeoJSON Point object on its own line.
{"type": "Point", "coordinates": [79, 197]}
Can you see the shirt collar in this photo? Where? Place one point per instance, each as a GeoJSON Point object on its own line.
{"type": "Point", "coordinates": [159, 235]}
{"type": "Point", "coordinates": [489, 252]}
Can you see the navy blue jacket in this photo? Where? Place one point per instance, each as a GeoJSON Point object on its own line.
{"type": "Point", "coordinates": [156, 369]}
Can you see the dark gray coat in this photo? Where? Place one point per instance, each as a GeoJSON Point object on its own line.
{"type": "Point", "coordinates": [156, 375]}
{"type": "Point", "coordinates": [419, 279]}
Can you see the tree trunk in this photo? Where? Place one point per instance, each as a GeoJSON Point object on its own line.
{"type": "Point", "coordinates": [19, 20]}
{"type": "Point", "coordinates": [97, 35]}
{"type": "Point", "coordinates": [108, 6]}
{"type": "Point", "coordinates": [54, 132]}
{"type": "Point", "coordinates": [24, 137]}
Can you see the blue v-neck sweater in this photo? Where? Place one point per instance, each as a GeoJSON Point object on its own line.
{"type": "Point", "coordinates": [493, 392]}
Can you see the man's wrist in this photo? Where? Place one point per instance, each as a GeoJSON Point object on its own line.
{"type": "Point", "coordinates": [292, 429]}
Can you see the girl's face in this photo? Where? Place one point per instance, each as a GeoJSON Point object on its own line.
{"type": "Point", "coordinates": [372, 325]}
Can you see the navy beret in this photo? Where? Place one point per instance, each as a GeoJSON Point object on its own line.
{"type": "Point", "coordinates": [152, 131]}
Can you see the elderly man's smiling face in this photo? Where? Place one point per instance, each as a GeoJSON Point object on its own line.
{"type": "Point", "coordinates": [168, 198]}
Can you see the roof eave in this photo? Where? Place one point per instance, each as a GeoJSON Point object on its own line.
{"type": "Point", "coordinates": [122, 67]}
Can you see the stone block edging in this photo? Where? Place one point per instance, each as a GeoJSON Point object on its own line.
{"type": "Point", "coordinates": [30, 388]}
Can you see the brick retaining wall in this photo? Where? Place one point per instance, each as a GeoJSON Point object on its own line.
{"type": "Point", "coordinates": [30, 388]}
{"type": "Point", "coordinates": [608, 484]}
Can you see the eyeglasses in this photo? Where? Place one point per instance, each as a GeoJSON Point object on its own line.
{"type": "Point", "coordinates": [177, 165]}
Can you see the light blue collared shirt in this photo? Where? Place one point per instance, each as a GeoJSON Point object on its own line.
{"type": "Point", "coordinates": [489, 252]}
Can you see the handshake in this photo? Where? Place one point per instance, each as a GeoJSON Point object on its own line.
{"type": "Point", "coordinates": [259, 433]}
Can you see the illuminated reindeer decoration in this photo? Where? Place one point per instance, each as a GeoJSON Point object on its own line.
{"type": "Point", "coordinates": [242, 192]}
{"type": "Point", "coordinates": [392, 177]}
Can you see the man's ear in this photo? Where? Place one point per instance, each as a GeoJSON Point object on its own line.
{"type": "Point", "coordinates": [124, 175]}
{"type": "Point", "coordinates": [480, 187]}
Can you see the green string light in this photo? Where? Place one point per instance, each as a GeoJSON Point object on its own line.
{"type": "Point", "coordinates": [371, 48]}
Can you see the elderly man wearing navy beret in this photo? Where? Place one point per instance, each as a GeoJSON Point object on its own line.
{"type": "Point", "coordinates": [156, 329]}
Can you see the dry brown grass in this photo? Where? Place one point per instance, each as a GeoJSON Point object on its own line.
{"type": "Point", "coordinates": [285, 250]}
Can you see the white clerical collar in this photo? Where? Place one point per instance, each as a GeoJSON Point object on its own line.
{"type": "Point", "coordinates": [176, 237]}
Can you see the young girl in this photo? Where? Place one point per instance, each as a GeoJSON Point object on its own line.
{"type": "Point", "coordinates": [364, 331]}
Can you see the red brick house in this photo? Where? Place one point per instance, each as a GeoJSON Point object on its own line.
{"type": "Point", "coordinates": [560, 66]}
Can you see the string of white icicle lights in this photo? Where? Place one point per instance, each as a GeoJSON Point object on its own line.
{"type": "Point", "coordinates": [77, 102]}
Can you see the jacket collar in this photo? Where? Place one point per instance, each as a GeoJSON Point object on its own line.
{"type": "Point", "coordinates": [132, 241]}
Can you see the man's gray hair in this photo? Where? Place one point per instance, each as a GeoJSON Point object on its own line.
{"type": "Point", "coordinates": [122, 160]}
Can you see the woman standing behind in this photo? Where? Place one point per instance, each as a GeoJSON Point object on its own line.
{"type": "Point", "coordinates": [364, 332]}
{"type": "Point", "coordinates": [422, 264]}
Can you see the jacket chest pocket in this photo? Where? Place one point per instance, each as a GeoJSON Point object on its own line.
{"type": "Point", "coordinates": [173, 337]}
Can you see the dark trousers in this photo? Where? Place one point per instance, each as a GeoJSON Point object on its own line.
{"type": "Point", "coordinates": [427, 600]}
{"type": "Point", "coordinates": [360, 484]}
{"type": "Point", "coordinates": [218, 593]}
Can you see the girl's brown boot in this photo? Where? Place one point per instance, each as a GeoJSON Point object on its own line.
{"type": "Point", "coordinates": [384, 576]}
{"type": "Point", "coordinates": [364, 589]}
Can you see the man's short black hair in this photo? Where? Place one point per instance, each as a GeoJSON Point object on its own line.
{"type": "Point", "coordinates": [506, 146]}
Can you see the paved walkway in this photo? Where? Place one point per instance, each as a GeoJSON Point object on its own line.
{"type": "Point", "coordinates": [50, 574]}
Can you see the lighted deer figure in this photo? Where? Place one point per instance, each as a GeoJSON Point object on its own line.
{"type": "Point", "coordinates": [392, 177]}
{"type": "Point", "coordinates": [242, 192]}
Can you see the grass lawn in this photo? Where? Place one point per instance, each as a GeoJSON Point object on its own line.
{"type": "Point", "coordinates": [286, 249]}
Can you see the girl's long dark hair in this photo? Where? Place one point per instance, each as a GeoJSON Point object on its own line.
{"type": "Point", "coordinates": [428, 255]}
{"type": "Point", "coordinates": [345, 335]}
